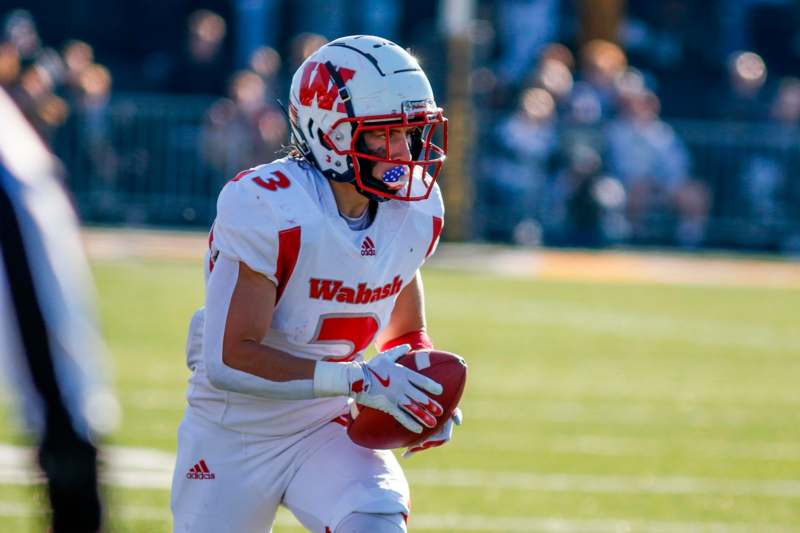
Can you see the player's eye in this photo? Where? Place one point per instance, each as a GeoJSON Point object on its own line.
{"type": "Point", "coordinates": [412, 132]}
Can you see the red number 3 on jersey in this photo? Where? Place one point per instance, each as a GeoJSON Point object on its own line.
{"type": "Point", "coordinates": [280, 181]}
{"type": "Point", "coordinates": [273, 184]}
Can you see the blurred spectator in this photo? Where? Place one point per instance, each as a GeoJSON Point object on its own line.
{"type": "Point", "coordinates": [786, 110]}
{"type": "Point", "coordinates": [524, 28]}
{"type": "Point", "coordinates": [560, 53]}
{"type": "Point", "coordinates": [20, 31]}
{"type": "Point", "coordinates": [78, 57]}
{"type": "Point", "coordinates": [526, 142]}
{"type": "Point", "coordinates": [768, 26]}
{"type": "Point", "coordinates": [95, 124]}
{"type": "Point", "coordinates": [35, 96]}
{"type": "Point", "coordinates": [786, 107]}
{"type": "Point", "coordinates": [266, 62]}
{"type": "Point", "coordinates": [766, 195]}
{"type": "Point", "coordinates": [303, 45]}
{"type": "Point", "coordinates": [582, 207]}
{"type": "Point", "coordinates": [256, 24]}
{"type": "Point", "coordinates": [743, 97]}
{"type": "Point", "coordinates": [203, 66]}
{"type": "Point", "coordinates": [554, 74]}
{"type": "Point", "coordinates": [530, 133]}
{"type": "Point", "coordinates": [9, 65]}
{"type": "Point", "coordinates": [595, 95]}
{"type": "Point", "coordinates": [37, 77]}
{"type": "Point", "coordinates": [243, 130]}
{"type": "Point", "coordinates": [678, 42]}
{"type": "Point", "coordinates": [663, 203]}
{"type": "Point", "coordinates": [762, 209]}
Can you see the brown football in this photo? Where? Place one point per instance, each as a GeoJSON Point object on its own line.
{"type": "Point", "coordinates": [375, 429]}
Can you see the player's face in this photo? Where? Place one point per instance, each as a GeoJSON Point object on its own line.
{"type": "Point", "coordinates": [399, 148]}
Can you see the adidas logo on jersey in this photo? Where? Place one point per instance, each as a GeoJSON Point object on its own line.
{"type": "Point", "coordinates": [367, 247]}
{"type": "Point", "coordinates": [330, 289]}
{"type": "Point", "coordinates": [200, 471]}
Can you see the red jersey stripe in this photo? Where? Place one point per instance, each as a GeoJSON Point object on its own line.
{"type": "Point", "coordinates": [241, 174]}
{"type": "Point", "coordinates": [288, 252]}
{"type": "Point", "coordinates": [210, 242]}
{"type": "Point", "coordinates": [437, 231]}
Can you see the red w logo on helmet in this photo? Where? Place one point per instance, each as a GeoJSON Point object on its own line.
{"type": "Point", "coordinates": [317, 82]}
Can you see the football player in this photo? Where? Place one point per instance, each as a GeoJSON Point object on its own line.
{"type": "Point", "coordinates": [312, 258]}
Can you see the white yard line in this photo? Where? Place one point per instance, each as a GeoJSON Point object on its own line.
{"type": "Point", "coordinates": [521, 524]}
{"type": "Point", "coordinates": [528, 481]}
{"type": "Point", "coordinates": [708, 332]}
{"type": "Point", "coordinates": [460, 522]}
{"type": "Point", "coordinates": [583, 412]}
{"type": "Point", "coordinates": [606, 446]}
{"type": "Point", "coordinates": [143, 468]}
{"type": "Point", "coordinates": [632, 413]}
{"type": "Point", "coordinates": [714, 449]}
{"type": "Point", "coordinates": [603, 266]}
{"type": "Point", "coordinates": [596, 419]}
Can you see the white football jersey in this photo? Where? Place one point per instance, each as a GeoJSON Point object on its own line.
{"type": "Point", "coordinates": [336, 287]}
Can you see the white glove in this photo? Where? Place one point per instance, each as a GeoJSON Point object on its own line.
{"type": "Point", "coordinates": [385, 385]}
{"type": "Point", "coordinates": [442, 436]}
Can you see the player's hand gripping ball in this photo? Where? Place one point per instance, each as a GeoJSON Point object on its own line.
{"type": "Point", "coordinates": [375, 429]}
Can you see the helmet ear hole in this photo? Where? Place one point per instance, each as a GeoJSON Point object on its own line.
{"type": "Point", "coordinates": [322, 140]}
{"type": "Point", "coordinates": [310, 127]}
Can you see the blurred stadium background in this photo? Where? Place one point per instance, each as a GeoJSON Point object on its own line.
{"type": "Point", "coordinates": [575, 123]}
{"type": "Point", "coordinates": [649, 386]}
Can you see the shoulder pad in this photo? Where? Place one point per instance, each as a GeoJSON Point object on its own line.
{"type": "Point", "coordinates": [252, 209]}
{"type": "Point", "coordinates": [280, 188]}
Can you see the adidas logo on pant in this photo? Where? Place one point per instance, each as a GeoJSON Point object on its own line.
{"type": "Point", "coordinates": [200, 471]}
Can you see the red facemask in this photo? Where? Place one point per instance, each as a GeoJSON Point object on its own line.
{"type": "Point", "coordinates": [426, 129]}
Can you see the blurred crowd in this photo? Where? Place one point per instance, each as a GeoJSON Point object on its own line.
{"type": "Point", "coordinates": [47, 83]}
{"type": "Point", "coordinates": [578, 152]}
{"type": "Point", "coordinates": [67, 97]}
{"type": "Point", "coordinates": [575, 146]}
{"type": "Point", "coordinates": [588, 152]}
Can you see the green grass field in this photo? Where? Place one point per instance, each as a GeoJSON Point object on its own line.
{"type": "Point", "coordinates": [589, 407]}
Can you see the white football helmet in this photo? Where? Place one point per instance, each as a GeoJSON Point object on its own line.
{"type": "Point", "coordinates": [365, 83]}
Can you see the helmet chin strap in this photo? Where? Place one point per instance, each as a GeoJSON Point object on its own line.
{"type": "Point", "coordinates": [365, 169]}
{"type": "Point", "coordinates": [371, 196]}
